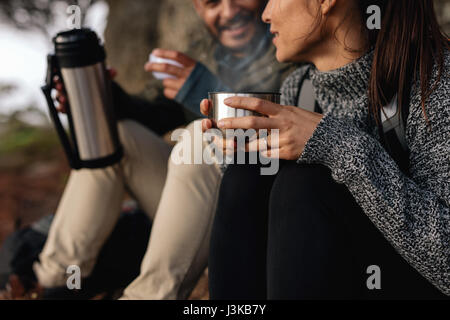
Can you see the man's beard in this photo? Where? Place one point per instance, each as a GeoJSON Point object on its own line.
{"type": "Point", "coordinates": [238, 21]}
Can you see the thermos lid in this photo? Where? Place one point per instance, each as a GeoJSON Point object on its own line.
{"type": "Point", "coordinates": [78, 48]}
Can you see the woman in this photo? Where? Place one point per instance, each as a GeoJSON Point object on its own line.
{"type": "Point", "coordinates": [340, 219]}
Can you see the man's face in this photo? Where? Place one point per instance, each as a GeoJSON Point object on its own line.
{"type": "Point", "coordinates": [233, 22]}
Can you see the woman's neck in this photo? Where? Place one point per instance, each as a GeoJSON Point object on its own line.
{"type": "Point", "coordinates": [345, 44]}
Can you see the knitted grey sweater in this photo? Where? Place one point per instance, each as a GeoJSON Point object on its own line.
{"type": "Point", "coordinates": [412, 212]}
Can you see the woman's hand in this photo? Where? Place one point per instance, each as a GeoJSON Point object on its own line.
{"type": "Point", "coordinates": [227, 146]}
{"type": "Point", "coordinates": [205, 107]}
{"type": "Point", "coordinates": [172, 86]}
{"type": "Point", "coordinates": [295, 125]}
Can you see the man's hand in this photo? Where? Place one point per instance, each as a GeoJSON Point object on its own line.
{"type": "Point", "coordinates": [61, 95]}
{"type": "Point", "coordinates": [172, 86]}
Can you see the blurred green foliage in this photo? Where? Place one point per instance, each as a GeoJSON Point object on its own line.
{"type": "Point", "coordinates": [22, 143]}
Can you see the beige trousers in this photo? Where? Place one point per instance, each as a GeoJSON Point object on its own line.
{"type": "Point", "coordinates": [181, 199]}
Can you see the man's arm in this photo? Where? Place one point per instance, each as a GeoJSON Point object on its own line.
{"type": "Point", "coordinates": [196, 88]}
{"type": "Point", "coordinates": [159, 114]}
{"type": "Point", "coordinates": [189, 84]}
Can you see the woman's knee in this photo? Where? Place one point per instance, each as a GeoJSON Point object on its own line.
{"type": "Point", "coordinates": [304, 190]}
{"type": "Point", "coordinates": [299, 181]}
{"type": "Point", "coordinates": [243, 192]}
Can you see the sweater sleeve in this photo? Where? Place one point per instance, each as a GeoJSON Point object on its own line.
{"type": "Point", "coordinates": [412, 212]}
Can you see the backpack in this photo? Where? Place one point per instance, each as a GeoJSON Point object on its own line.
{"type": "Point", "coordinates": [127, 242]}
{"type": "Point", "coordinates": [392, 129]}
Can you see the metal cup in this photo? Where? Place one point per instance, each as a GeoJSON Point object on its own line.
{"type": "Point", "coordinates": [219, 110]}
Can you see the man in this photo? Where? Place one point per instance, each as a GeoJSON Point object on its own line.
{"type": "Point", "coordinates": [180, 199]}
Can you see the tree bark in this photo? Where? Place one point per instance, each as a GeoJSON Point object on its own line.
{"type": "Point", "coordinates": [129, 36]}
{"type": "Point", "coordinates": [136, 27]}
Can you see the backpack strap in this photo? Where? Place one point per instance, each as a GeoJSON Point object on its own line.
{"type": "Point", "coordinates": [393, 128]}
{"type": "Point", "coordinates": [393, 132]}
{"type": "Point", "coordinates": [392, 119]}
{"type": "Point", "coordinates": [306, 98]}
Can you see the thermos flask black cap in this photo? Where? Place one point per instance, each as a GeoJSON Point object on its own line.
{"type": "Point", "coordinates": [78, 48]}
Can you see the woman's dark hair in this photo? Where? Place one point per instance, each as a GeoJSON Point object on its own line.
{"type": "Point", "coordinates": [408, 46]}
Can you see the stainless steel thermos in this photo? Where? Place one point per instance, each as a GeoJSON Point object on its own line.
{"type": "Point", "coordinates": [79, 60]}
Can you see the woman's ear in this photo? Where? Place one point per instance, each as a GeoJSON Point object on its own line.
{"type": "Point", "coordinates": [327, 6]}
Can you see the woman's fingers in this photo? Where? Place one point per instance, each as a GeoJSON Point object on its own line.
{"type": "Point", "coordinates": [256, 145]}
{"type": "Point", "coordinates": [254, 104]}
{"type": "Point", "coordinates": [206, 124]}
{"type": "Point", "coordinates": [205, 106]}
{"type": "Point", "coordinates": [251, 122]}
{"type": "Point", "coordinates": [263, 143]}
{"type": "Point", "coordinates": [272, 153]}
{"type": "Point", "coordinates": [228, 146]}
{"type": "Point", "coordinates": [266, 146]}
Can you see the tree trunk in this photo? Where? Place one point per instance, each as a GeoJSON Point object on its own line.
{"type": "Point", "coordinates": [136, 27]}
{"type": "Point", "coordinates": [129, 36]}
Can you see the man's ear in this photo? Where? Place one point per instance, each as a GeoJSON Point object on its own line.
{"type": "Point", "coordinates": [327, 6]}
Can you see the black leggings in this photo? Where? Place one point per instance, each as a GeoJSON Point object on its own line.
{"type": "Point", "coordinates": [300, 235]}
